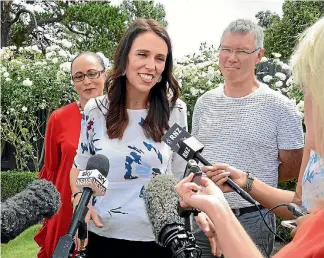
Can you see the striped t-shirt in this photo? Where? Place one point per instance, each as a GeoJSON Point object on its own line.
{"type": "Point", "coordinates": [247, 132]}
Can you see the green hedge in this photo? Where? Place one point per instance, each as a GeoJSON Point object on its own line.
{"type": "Point", "coordinates": [13, 182]}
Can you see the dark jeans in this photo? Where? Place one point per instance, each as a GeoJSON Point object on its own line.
{"type": "Point", "coordinates": [99, 246]}
{"type": "Point", "coordinates": [253, 225]}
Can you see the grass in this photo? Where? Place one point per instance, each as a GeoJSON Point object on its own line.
{"type": "Point", "coordinates": [22, 246]}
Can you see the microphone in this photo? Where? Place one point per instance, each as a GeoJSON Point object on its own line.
{"type": "Point", "coordinates": [192, 167]}
{"type": "Point", "coordinates": [161, 201]}
{"type": "Point", "coordinates": [38, 200]}
{"type": "Point", "coordinates": [188, 147]}
{"type": "Point", "coordinates": [92, 181]}
{"type": "Point", "coordinates": [296, 210]}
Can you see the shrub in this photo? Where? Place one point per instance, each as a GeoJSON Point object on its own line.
{"type": "Point", "coordinates": [13, 182]}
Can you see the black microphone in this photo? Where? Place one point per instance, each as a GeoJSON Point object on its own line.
{"type": "Point", "coordinates": [192, 167]}
{"type": "Point", "coordinates": [188, 147]}
{"type": "Point", "coordinates": [92, 181]}
{"type": "Point", "coordinates": [39, 200]}
{"type": "Point", "coordinates": [161, 201]}
{"type": "Point", "coordinates": [296, 210]}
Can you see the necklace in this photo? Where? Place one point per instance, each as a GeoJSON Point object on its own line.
{"type": "Point", "coordinates": [80, 108]}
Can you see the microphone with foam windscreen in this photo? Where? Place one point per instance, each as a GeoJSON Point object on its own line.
{"type": "Point", "coordinates": [39, 200]}
{"type": "Point", "coordinates": [188, 147]}
{"type": "Point", "coordinates": [92, 182]}
{"type": "Point", "coordinates": [161, 201]}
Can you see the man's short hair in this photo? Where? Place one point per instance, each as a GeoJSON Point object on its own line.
{"type": "Point", "coordinates": [245, 26]}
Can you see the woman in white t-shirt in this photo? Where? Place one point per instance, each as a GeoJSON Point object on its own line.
{"type": "Point", "coordinates": [126, 125]}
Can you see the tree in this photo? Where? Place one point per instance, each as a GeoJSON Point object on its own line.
{"type": "Point", "coordinates": [144, 9]}
{"type": "Point", "coordinates": [266, 19]}
{"type": "Point", "coordinates": [89, 25]}
{"type": "Point", "coordinates": [282, 35]}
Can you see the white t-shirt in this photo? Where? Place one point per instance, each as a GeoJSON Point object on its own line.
{"type": "Point", "coordinates": [134, 160]}
{"type": "Point", "coordinates": [247, 132]}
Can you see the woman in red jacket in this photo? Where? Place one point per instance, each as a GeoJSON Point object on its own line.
{"type": "Point", "coordinates": [61, 140]}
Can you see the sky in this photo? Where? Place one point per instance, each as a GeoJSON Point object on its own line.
{"type": "Point", "coordinates": [191, 22]}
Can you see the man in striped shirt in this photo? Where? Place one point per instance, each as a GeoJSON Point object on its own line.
{"type": "Point", "coordinates": [247, 125]}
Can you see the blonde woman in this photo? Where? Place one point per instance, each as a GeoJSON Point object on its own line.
{"type": "Point", "coordinates": [308, 71]}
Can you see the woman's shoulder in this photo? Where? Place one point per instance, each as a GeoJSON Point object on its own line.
{"type": "Point", "coordinates": [178, 106]}
{"type": "Point", "coordinates": [97, 105]}
{"type": "Point", "coordinates": [66, 110]}
{"type": "Point", "coordinates": [178, 114]}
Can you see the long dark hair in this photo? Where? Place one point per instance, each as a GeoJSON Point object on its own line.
{"type": "Point", "coordinates": [158, 115]}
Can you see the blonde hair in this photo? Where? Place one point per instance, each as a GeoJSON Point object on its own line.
{"type": "Point", "coordinates": [308, 72]}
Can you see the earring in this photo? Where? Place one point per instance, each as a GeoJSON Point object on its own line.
{"type": "Point", "coordinates": [160, 79]}
{"type": "Point", "coordinates": [124, 73]}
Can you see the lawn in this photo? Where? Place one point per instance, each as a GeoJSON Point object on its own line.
{"type": "Point", "coordinates": [22, 246]}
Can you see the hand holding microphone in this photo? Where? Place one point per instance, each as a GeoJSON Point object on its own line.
{"type": "Point", "coordinates": [220, 172]}
{"type": "Point", "coordinates": [91, 182]}
{"type": "Point", "coordinates": [201, 197]}
{"type": "Point", "coordinates": [188, 147]}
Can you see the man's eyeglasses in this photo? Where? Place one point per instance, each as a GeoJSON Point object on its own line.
{"type": "Point", "coordinates": [239, 52]}
{"type": "Point", "coordinates": [79, 77]}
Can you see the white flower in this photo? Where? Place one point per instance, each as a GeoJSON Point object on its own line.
{"type": "Point", "coordinates": [42, 105]}
{"type": "Point", "coordinates": [264, 59]}
{"type": "Point", "coordinates": [28, 48]}
{"type": "Point", "coordinates": [218, 73]}
{"type": "Point", "coordinates": [276, 61]}
{"type": "Point", "coordinates": [12, 110]}
{"type": "Point", "coordinates": [36, 49]}
{"type": "Point", "coordinates": [24, 109]}
{"type": "Point", "coordinates": [285, 67]}
{"type": "Point", "coordinates": [278, 84]}
{"type": "Point", "coordinates": [289, 81]}
{"type": "Point", "coordinates": [194, 91]}
{"type": "Point", "coordinates": [50, 54]}
{"type": "Point", "coordinates": [52, 48]}
{"type": "Point", "coordinates": [27, 82]}
{"type": "Point", "coordinates": [276, 55]}
{"type": "Point", "coordinates": [267, 78]}
{"type": "Point", "coordinates": [281, 76]}
{"type": "Point", "coordinates": [180, 83]}
{"type": "Point", "coordinates": [23, 67]}
{"type": "Point", "coordinates": [55, 60]}
{"type": "Point", "coordinates": [195, 79]}
{"type": "Point", "coordinates": [60, 75]}
{"type": "Point", "coordinates": [62, 53]}
{"type": "Point", "coordinates": [6, 74]}
{"type": "Point", "coordinates": [8, 79]}
{"type": "Point", "coordinates": [12, 47]}
{"type": "Point", "coordinates": [66, 43]}
{"type": "Point", "coordinates": [210, 73]}
{"type": "Point", "coordinates": [300, 106]}
{"type": "Point", "coordinates": [65, 67]}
